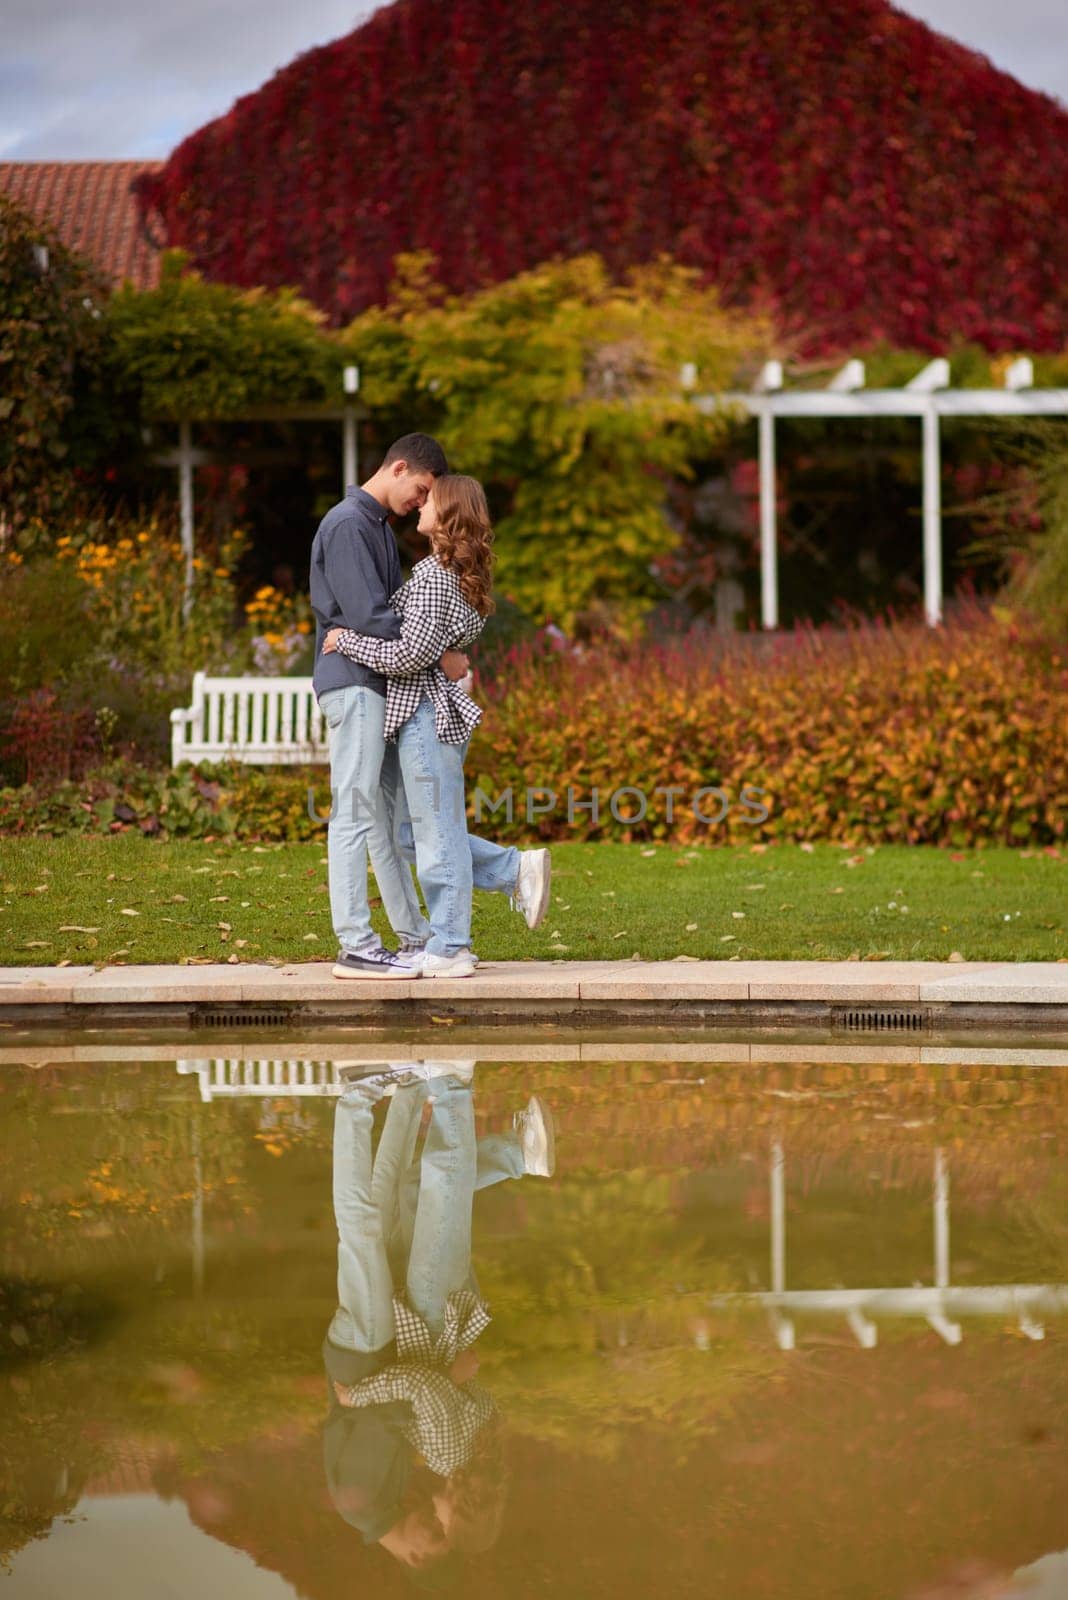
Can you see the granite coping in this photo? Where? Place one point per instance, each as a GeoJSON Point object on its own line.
{"type": "Point", "coordinates": [1026, 982]}
{"type": "Point", "coordinates": [679, 1053]}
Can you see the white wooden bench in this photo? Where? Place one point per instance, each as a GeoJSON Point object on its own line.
{"type": "Point", "coordinates": [261, 721]}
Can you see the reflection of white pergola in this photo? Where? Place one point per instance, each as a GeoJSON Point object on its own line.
{"type": "Point", "coordinates": [938, 1305]}
{"type": "Point", "coordinates": [230, 1078]}
{"type": "Point", "coordinates": [927, 396]}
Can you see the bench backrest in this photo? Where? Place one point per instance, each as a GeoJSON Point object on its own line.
{"type": "Point", "coordinates": [257, 720]}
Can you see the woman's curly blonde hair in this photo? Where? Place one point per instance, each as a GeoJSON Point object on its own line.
{"type": "Point", "coordinates": [463, 538]}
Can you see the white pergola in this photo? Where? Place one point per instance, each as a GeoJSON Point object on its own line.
{"type": "Point", "coordinates": [927, 396]}
{"type": "Point", "coordinates": [940, 1304]}
{"type": "Point", "coordinates": [186, 457]}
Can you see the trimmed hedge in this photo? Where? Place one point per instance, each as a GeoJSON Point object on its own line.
{"type": "Point", "coordinates": [880, 733]}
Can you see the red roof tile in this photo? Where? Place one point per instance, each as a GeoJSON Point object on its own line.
{"type": "Point", "coordinates": [89, 205]}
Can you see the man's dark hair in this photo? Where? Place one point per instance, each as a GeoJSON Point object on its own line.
{"type": "Point", "coordinates": [422, 453]}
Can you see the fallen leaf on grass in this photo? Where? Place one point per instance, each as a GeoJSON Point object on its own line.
{"type": "Point", "coordinates": [691, 927]}
{"type": "Point", "coordinates": [686, 958]}
{"type": "Point", "coordinates": [836, 891]}
{"type": "Point", "coordinates": [648, 853]}
{"type": "Point", "coordinates": [309, 937]}
{"type": "Point", "coordinates": [220, 899]}
{"type": "Point", "coordinates": [807, 847]}
{"type": "Point", "coordinates": [738, 915]}
{"type": "Point", "coordinates": [727, 938]}
{"type": "Point", "coordinates": [954, 955]}
{"type": "Point", "coordinates": [128, 911]}
{"type": "Point", "coordinates": [232, 961]}
{"type": "Point", "coordinates": [36, 944]}
{"type": "Point", "coordinates": [75, 927]}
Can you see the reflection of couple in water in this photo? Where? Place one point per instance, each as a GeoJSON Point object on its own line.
{"type": "Point", "coordinates": [412, 1443]}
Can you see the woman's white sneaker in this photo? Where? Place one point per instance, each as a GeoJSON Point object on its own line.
{"type": "Point", "coordinates": [460, 965]}
{"type": "Point", "coordinates": [537, 1136]}
{"type": "Point", "coordinates": [532, 886]}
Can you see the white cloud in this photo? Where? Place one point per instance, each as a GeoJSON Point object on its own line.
{"type": "Point", "coordinates": [115, 78]}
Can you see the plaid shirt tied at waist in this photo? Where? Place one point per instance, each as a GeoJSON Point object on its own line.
{"type": "Point", "coordinates": [435, 617]}
{"type": "Point", "coordinates": [446, 1417]}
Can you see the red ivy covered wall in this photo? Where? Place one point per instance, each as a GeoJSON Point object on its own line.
{"type": "Point", "coordinates": [836, 158]}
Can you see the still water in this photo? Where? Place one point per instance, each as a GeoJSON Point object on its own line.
{"type": "Point", "coordinates": [756, 1329]}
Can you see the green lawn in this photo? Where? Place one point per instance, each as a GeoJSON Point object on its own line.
{"type": "Point", "coordinates": [128, 899]}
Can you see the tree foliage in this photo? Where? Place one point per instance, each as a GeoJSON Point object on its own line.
{"type": "Point", "coordinates": [199, 349]}
{"type": "Point", "coordinates": [561, 390]}
{"type": "Point", "coordinates": [51, 334]}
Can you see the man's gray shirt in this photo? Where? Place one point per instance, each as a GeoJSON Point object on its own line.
{"type": "Point", "coordinates": [354, 570]}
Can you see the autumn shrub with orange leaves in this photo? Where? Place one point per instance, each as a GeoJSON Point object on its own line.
{"type": "Point", "coordinates": [875, 733]}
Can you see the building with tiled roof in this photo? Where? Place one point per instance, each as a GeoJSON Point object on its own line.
{"type": "Point", "coordinates": [91, 208]}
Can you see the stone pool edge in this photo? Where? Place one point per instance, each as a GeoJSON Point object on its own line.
{"type": "Point", "coordinates": [885, 996]}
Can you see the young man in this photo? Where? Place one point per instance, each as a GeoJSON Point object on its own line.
{"type": "Point", "coordinates": [355, 568]}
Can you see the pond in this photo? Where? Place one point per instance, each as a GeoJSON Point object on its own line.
{"type": "Point", "coordinates": [757, 1328]}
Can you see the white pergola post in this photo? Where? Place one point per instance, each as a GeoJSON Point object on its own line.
{"type": "Point", "coordinates": [782, 1327]}
{"type": "Point", "coordinates": [951, 1332]}
{"type": "Point", "coordinates": [350, 459]}
{"type": "Point", "coordinates": [932, 517]}
{"type": "Point", "coordinates": [778, 1219]}
{"type": "Point", "coordinates": [770, 379]}
{"type": "Point", "coordinates": [941, 1221]}
{"type": "Point", "coordinates": [934, 376]}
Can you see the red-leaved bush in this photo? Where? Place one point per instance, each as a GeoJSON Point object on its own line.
{"type": "Point", "coordinates": [839, 163]}
{"type": "Point", "coordinates": [879, 733]}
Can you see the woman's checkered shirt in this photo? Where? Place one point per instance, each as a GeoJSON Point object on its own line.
{"type": "Point", "coordinates": [435, 617]}
{"type": "Point", "coordinates": [446, 1418]}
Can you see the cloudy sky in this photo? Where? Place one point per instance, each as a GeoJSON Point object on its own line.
{"type": "Point", "coordinates": [94, 79]}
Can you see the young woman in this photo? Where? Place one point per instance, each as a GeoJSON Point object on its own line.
{"type": "Point", "coordinates": [444, 605]}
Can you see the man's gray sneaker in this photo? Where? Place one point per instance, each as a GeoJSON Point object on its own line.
{"type": "Point", "coordinates": [375, 961]}
{"type": "Point", "coordinates": [537, 1136]}
{"type": "Point", "coordinates": [531, 896]}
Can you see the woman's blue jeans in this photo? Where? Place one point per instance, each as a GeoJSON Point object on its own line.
{"type": "Point", "coordinates": [404, 1223]}
{"type": "Point", "coordinates": [430, 825]}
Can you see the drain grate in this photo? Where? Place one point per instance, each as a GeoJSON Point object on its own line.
{"type": "Point", "coordinates": [883, 1020]}
{"type": "Point", "coordinates": [251, 1018]}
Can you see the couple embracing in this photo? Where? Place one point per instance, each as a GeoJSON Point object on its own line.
{"type": "Point", "coordinates": [391, 677]}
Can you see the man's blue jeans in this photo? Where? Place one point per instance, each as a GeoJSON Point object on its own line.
{"type": "Point", "coordinates": [430, 826]}
{"type": "Point", "coordinates": [404, 1225]}
{"type": "Point", "coordinates": [364, 782]}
